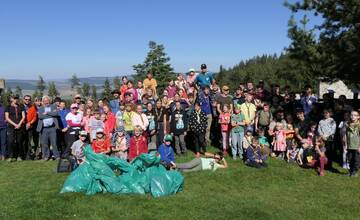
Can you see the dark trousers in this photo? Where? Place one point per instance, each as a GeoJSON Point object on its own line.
{"type": "Point", "coordinates": [31, 143]}
{"type": "Point", "coordinates": [16, 142]}
{"type": "Point", "coordinates": [330, 152]}
{"type": "Point", "coordinates": [255, 164]}
{"type": "Point", "coordinates": [2, 142]}
{"type": "Point", "coordinates": [49, 135]}
{"type": "Point", "coordinates": [353, 157]}
{"type": "Point", "coordinates": [160, 133]}
{"type": "Point", "coordinates": [199, 142]}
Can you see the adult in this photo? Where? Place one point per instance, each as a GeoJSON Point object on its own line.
{"type": "Point", "coordinates": [115, 102]}
{"type": "Point", "coordinates": [47, 126]}
{"type": "Point", "coordinates": [178, 128]}
{"type": "Point", "coordinates": [308, 100]}
{"type": "Point", "coordinates": [2, 133]}
{"type": "Point", "coordinates": [62, 111]}
{"type": "Point", "coordinates": [301, 126]}
{"type": "Point", "coordinates": [15, 117]}
{"type": "Point", "coordinates": [205, 101]}
{"type": "Point", "coordinates": [160, 114]}
{"type": "Point", "coordinates": [238, 98]}
{"type": "Point", "coordinates": [204, 78]}
{"type": "Point", "coordinates": [198, 124]}
{"type": "Point", "coordinates": [77, 99]}
{"type": "Point", "coordinates": [150, 83]}
{"type": "Point", "coordinates": [31, 137]}
{"type": "Point", "coordinates": [210, 162]}
{"type": "Point", "coordinates": [74, 126]}
{"type": "Point", "coordinates": [224, 99]}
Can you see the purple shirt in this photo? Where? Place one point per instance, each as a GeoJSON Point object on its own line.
{"type": "Point", "coordinates": [2, 117]}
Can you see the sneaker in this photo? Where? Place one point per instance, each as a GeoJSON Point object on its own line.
{"type": "Point", "coordinates": [344, 166]}
{"type": "Point", "coordinates": [347, 166]}
{"type": "Point", "coordinates": [234, 158]}
{"type": "Point", "coordinates": [19, 159]}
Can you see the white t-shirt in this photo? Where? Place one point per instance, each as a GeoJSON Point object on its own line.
{"type": "Point", "coordinates": [75, 119]}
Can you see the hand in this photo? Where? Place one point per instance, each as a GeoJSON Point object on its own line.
{"type": "Point", "coordinates": [64, 129]}
{"type": "Point", "coordinates": [185, 133]}
{"type": "Point", "coordinates": [17, 126]}
{"type": "Point", "coordinates": [45, 113]}
{"type": "Point", "coordinates": [28, 125]}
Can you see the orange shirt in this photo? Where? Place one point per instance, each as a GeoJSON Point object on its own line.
{"type": "Point", "coordinates": [31, 115]}
{"type": "Point", "coordinates": [150, 84]}
{"type": "Point", "coordinates": [101, 145]}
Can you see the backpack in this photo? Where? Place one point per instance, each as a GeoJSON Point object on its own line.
{"type": "Point", "coordinates": [64, 166]}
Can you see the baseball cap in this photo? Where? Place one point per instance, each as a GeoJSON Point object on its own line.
{"type": "Point", "coordinates": [83, 133]}
{"type": "Point", "coordinates": [74, 106]}
{"type": "Point", "coordinates": [77, 96]}
{"type": "Point", "coordinates": [120, 129]}
{"type": "Point", "coordinates": [168, 137]}
{"type": "Point", "coordinates": [203, 66]}
{"type": "Point", "coordinates": [99, 130]}
{"type": "Point", "coordinates": [191, 70]}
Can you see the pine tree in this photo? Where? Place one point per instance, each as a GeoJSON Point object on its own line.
{"type": "Point", "coordinates": [117, 82]}
{"type": "Point", "coordinates": [5, 96]}
{"type": "Point", "coordinates": [93, 92]}
{"type": "Point", "coordinates": [107, 89]}
{"type": "Point", "coordinates": [52, 91]}
{"type": "Point", "coordinates": [40, 86]}
{"type": "Point", "coordinates": [74, 82]}
{"type": "Point", "coordinates": [18, 91]}
{"type": "Point", "coordinates": [156, 62]}
{"type": "Point", "coordinates": [85, 90]}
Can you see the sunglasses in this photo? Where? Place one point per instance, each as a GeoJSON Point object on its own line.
{"type": "Point", "coordinates": [77, 98]}
{"type": "Point", "coordinates": [27, 99]}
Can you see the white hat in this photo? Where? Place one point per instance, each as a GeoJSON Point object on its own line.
{"type": "Point", "coordinates": [100, 130]}
{"type": "Point", "coordinates": [191, 70]}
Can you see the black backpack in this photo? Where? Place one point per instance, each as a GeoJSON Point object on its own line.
{"type": "Point", "coordinates": [64, 166]}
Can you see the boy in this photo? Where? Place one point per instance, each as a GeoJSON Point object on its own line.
{"type": "Point", "coordinates": [352, 143]}
{"type": "Point", "coordinates": [167, 153]}
{"type": "Point", "coordinates": [254, 156]}
{"type": "Point", "coordinates": [77, 150]}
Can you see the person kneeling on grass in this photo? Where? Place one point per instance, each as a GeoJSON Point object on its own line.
{"type": "Point", "coordinates": [167, 153]}
{"type": "Point", "coordinates": [77, 150]}
{"type": "Point", "coordinates": [101, 145]}
{"type": "Point", "coordinates": [320, 160]}
{"type": "Point", "coordinates": [138, 143]}
{"type": "Point", "coordinates": [255, 158]}
{"type": "Point", "coordinates": [211, 162]}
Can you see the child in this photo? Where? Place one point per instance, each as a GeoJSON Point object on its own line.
{"type": "Point", "coordinates": [237, 132]}
{"type": "Point", "coordinates": [352, 143]}
{"type": "Point", "coordinates": [95, 123]}
{"type": "Point", "coordinates": [247, 141]}
{"type": "Point", "coordinates": [254, 156]}
{"type": "Point", "coordinates": [127, 117]}
{"type": "Point", "coordinates": [292, 152]}
{"type": "Point", "coordinates": [77, 150]}
{"type": "Point", "coordinates": [279, 142]}
{"type": "Point", "coordinates": [224, 121]}
{"type": "Point", "coordinates": [101, 145]}
{"type": "Point", "coordinates": [342, 132]}
{"type": "Point", "coordinates": [327, 129]}
{"type": "Point", "coordinates": [320, 159]}
{"type": "Point", "coordinates": [119, 117]}
{"type": "Point", "coordinates": [86, 120]}
{"type": "Point", "coordinates": [119, 145]}
{"type": "Point", "coordinates": [264, 144]}
{"type": "Point", "coordinates": [167, 153]}
{"type": "Point", "coordinates": [290, 134]}
{"type": "Point", "coordinates": [138, 143]}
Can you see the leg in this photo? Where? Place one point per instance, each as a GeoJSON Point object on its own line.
{"type": "Point", "coordinates": [45, 143]}
{"type": "Point", "coordinates": [202, 141]}
{"type": "Point", "coordinates": [196, 143]}
{"type": "Point", "coordinates": [189, 165]}
{"type": "Point", "coordinates": [53, 141]}
{"type": "Point", "coordinates": [177, 144]}
{"type": "Point", "coordinates": [234, 145]}
{"type": "Point", "coordinates": [20, 143]}
{"type": "Point", "coordinates": [322, 162]}
{"type": "Point", "coordinates": [356, 162]}
{"type": "Point", "coordinates": [241, 151]}
{"type": "Point", "coordinates": [2, 142]}
{"type": "Point", "coordinates": [182, 143]}
{"type": "Point", "coordinates": [208, 128]}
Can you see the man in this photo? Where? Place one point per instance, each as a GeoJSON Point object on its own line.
{"type": "Point", "coordinates": [178, 127]}
{"type": "Point", "coordinates": [249, 111]}
{"type": "Point", "coordinates": [224, 99]}
{"type": "Point", "coordinates": [62, 112]}
{"type": "Point", "coordinates": [2, 133]}
{"type": "Point", "coordinates": [15, 117]}
{"type": "Point", "coordinates": [204, 99]}
{"type": "Point", "coordinates": [77, 99]}
{"type": "Point", "coordinates": [47, 126]}
{"type": "Point", "coordinates": [301, 126]}
{"type": "Point", "coordinates": [115, 103]}
{"type": "Point", "coordinates": [308, 100]}
{"type": "Point", "coordinates": [150, 83]}
{"type": "Point", "coordinates": [238, 99]}
{"type": "Point", "coordinates": [31, 135]}
{"type": "Point", "coordinates": [204, 78]}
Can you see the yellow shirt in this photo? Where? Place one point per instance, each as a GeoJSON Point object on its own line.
{"type": "Point", "coordinates": [249, 111]}
{"type": "Point", "coordinates": [150, 84]}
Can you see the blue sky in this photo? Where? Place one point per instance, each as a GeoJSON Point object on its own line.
{"type": "Point", "coordinates": [105, 38]}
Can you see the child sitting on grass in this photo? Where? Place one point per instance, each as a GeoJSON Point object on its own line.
{"type": "Point", "coordinates": [247, 140]}
{"type": "Point", "coordinates": [292, 152]}
{"type": "Point", "coordinates": [320, 160]}
{"type": "Point", "coordinates": [255, 158]}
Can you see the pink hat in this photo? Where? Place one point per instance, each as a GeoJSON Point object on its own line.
{"type": "Point", "coordinates": [74, 106]}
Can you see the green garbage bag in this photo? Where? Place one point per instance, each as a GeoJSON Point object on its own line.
{"type": "Point", "coordinates": [145, 174]}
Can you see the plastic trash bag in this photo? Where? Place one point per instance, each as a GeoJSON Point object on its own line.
{"type": "Point", "coordinates": [145, 174]}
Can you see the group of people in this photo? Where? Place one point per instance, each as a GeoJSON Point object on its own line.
{"type": "Point", "coordinates": [193, 112]}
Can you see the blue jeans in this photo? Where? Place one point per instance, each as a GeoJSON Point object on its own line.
{"type": "Point", "coordinates": [236, 144]}
{"type": "Point", "coordinates": [3, 135]}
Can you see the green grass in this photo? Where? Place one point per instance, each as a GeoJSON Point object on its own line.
{"type": "Point", "coordinates": [30, 190]}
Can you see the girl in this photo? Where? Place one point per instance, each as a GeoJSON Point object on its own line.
{"type": "Point", "coordinates": [132, 91]}
{"type": "Point", "coordinates": [100, 106]}
{"type": "Point", "coordinates": [110, 120]}
{"type": "Point", "coordinates": [119, 144]}
{"type": "Point", "coordinates": [119, 117]}
{"type": "Point", "coordinates": [171, 89]}
{"type": "Point", "coordinates": [86, 120]}
{"type": "Point", "coordinates": [320, 159]}
{"type": "Point", "coordinates": [151, 129]}
{"type": "Point", "coordinates": [138, 143]}
{"type": "Point", "coordinates": [140, 119]}
{"type": "Point", "coordinates": [224, 121]}
{"type": "Point", "coordinates": [181, 86]}
{"type": "Point", "coordinates": [101, 145]}
{"type": "Point", "coordinates": [95, 123]}
{"type": "Point", "coordinates": [140, 90]}
{"type": "Point", "coordinates": [279, 142]}
{"type": "Point", "coordinates": [352, 143]}
{"type": "Point", "coordinates": [342, 129]}
{"type": "Point", "coordinates": [327, 129]}
{"type": "Point", "coordinates": [237, 132]}
{"type": "Point", "coordinates": [127, 117]}
{"type": "Point", "coordinates": [292, 152]}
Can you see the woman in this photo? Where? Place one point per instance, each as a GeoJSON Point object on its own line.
{"type": "Point", "coordinates": [74, 126]}
{"type": "Point", "coordinates": [160, 115]}
{"type": "Point", "coordinates": [151, 129]}
{"type": "Point", "coordinates": [210, 162]}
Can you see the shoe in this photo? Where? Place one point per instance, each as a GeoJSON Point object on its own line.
{"type": "Point", "coordinates": [322, 173]}
{"type": "Point", "coordinates": [197, 155]}
{"type": "Point", "coordinates": [9, 160]}
{"type": "Point", "coordinates": [344, 166]}
{"type": "Point", "coordinates": [19, 159]}
{"type": "Point", "coordinates": [234, 158]}
{"type": "Point", "coordinates": [347, 166]}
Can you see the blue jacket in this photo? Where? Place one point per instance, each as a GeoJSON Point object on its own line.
{"type": "Point", "coordinates": [115, 105]}
{"type": "Point", "coordinates": [167, 154]}
{"type": "Point", "coordinates": [62, 115]}
{"type": "Point", "coordinates": [253, 154]}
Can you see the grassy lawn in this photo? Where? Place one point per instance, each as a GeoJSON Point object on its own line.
{"type": "Point", "coordinates": [30, 190]}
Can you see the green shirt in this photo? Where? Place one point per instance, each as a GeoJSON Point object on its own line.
{"type": "Point", "coordinates": [209, 164]}
{"type": "Point", "coordinates": [237, 118]}
{"type": "Point", "coordinates": [353, 136]}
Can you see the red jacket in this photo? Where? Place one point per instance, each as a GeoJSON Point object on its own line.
{"type": "Point", "coordinates": [138, 145]}
{"type": "Point", "coordinates": [31, 116]}
{"type": "Point", "coordinates": [100, 146]}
